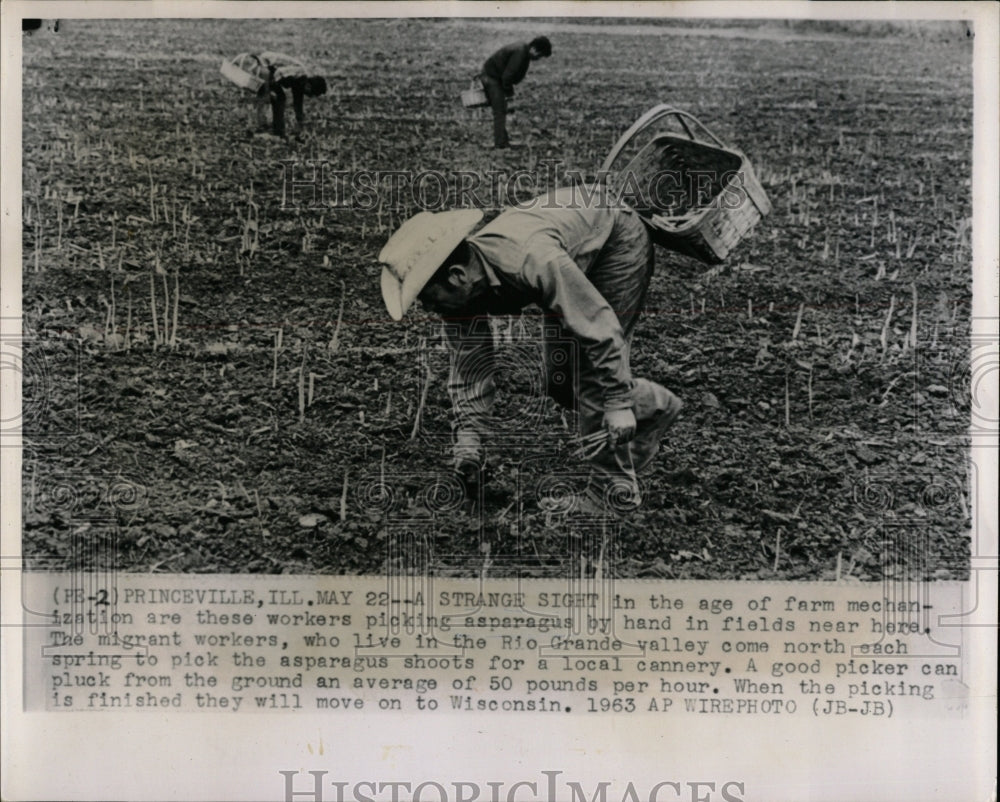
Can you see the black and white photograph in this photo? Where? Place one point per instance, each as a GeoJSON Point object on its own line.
{"type": "Point", "coordinates": [289, 282]}
{"type": "Point", "coordinates": [412, 374]}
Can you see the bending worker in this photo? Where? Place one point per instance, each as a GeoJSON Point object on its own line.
{"type": "Point", "coordinates": [588, 266]}
{"type": "Point", "coordinates": [279, 72]}
{"type": "Point", "coordinates": [501, 71]}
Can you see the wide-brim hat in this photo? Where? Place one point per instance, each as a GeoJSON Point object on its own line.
{"type": "Point", "coordinates": [415, 252]}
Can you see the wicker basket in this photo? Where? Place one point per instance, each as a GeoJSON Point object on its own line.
{"type": "Point", "coordinates": [239, 72]}
{"type": "Point", "coordinates": [697, 196]}
{"type": "Point", "coordinates": [475, 95]}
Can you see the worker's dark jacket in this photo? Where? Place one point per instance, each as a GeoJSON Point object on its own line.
{"type": "Point", "coordinates": [508, 65]}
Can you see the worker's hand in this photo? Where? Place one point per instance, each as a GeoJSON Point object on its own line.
{"type": "Point", "coordinates": [620, 425]}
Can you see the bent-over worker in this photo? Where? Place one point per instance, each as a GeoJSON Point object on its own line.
{"type": "Point", "coordinates": [501, 71]}
{"type": "Point", "coordinates": [588, 266]}
{"type": "Point", "coordinates": [279, 72]}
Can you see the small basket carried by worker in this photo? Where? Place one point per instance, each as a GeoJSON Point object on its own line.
{"type": "Point", "coordinates": [241, 71]}
{"type": "Point", "coordinates": [475, 95]}
{"type": "Point", "coordinates": [697, 196]}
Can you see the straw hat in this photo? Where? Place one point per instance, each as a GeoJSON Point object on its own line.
{"type": "Point", "coordinates": [415, 252]}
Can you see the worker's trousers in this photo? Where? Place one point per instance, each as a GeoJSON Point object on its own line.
{"type": "Point", "coordinates": [271, 92]}
{"type": "Point", "coordinates": [621, 273]}
{"type": "Point", "coordinates": [498, 101]}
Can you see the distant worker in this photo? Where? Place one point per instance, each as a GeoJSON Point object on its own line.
{"type": "Point", "coordinates": [276, 72]}
{"type": "Point", "coordinates": [501, 71]}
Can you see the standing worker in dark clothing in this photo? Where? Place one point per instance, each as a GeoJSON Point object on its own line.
{"type": "Point", "coordinates": [501, 71]}
{"type": "Point", "coordinates": [277, 72]}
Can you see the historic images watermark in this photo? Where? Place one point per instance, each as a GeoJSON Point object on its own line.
{"type": "Point", "coordinates": [552, 787]}
{"type": "Point", "coordinates": [314, 184]}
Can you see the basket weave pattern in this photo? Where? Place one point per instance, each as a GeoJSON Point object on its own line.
{"type": "Point", "coordinates": [243, 71]}
{"type": "Point", "coordinates": [475, 95]}
{"type": "Point", "coordinates": [696, 199]}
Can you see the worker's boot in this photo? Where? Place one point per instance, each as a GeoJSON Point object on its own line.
{"type": "Point", "coordinates": [649, 432]}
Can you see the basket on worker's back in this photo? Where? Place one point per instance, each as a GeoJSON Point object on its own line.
{"type": "Point", "coordinates": [697, 196]}
{"type": "Point", "coordinates": [475, 95]}
{"type": "Point", "coordinates": [241, 69]}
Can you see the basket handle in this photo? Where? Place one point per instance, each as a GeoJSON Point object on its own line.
{"type": "Point", "coordinates": [650, 117]}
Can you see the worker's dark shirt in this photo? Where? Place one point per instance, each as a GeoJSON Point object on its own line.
{"type": "Point", "coordinates": [508, 65]}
